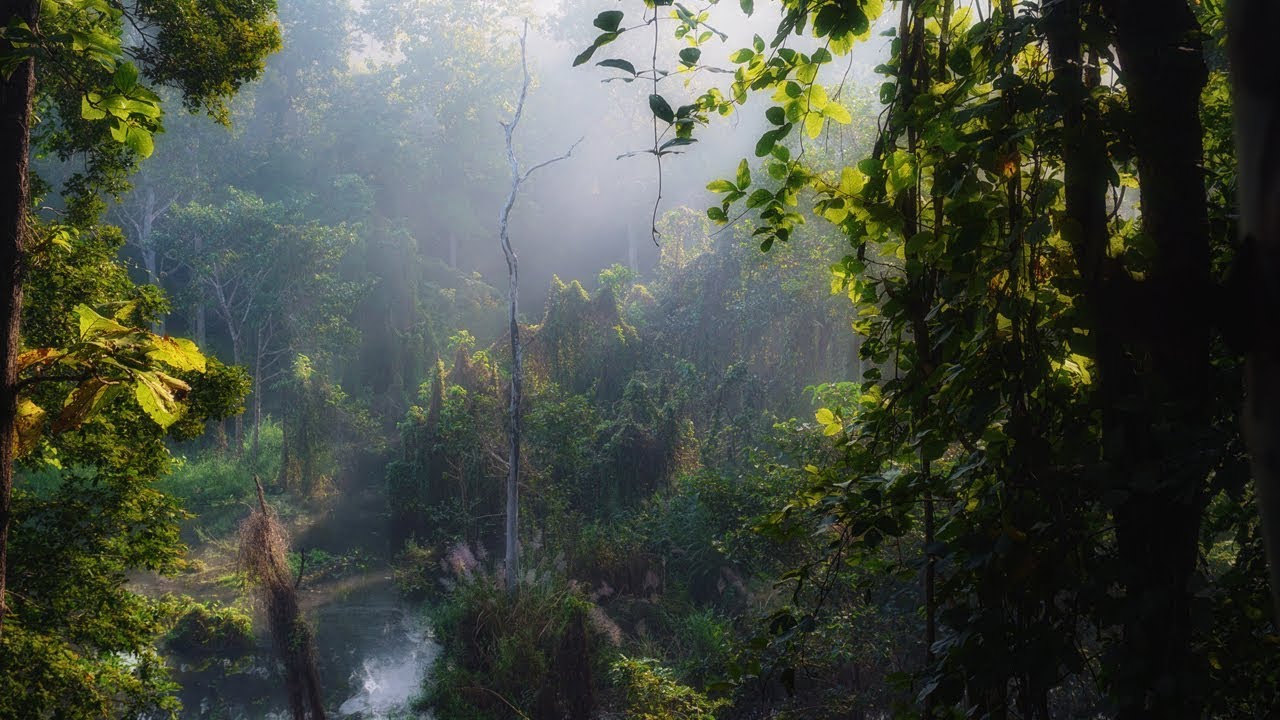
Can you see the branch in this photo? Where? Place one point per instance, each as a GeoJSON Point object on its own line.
{"type": "Point", "coordinates": [556, 159]}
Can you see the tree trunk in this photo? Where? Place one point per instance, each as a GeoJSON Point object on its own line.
{"type": "Point", "coordinates": [513, 470]}
{"type": "Point", "coordinates": [1161, 407]}
{"type": "Point", "coordinates": [257, 401]}
{"type": "Point", "coordinates": [1256, 86]}
{"type": "Point", "coordinates": [16, 94]}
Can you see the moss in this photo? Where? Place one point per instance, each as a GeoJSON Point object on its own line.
{"type": "Point", "coordinates": [214, 629]}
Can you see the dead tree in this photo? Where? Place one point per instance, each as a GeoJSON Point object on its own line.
{"type": "Point", "coordinates": [518, 177]}
{"type": "Point", "coordinates": [263, 547]}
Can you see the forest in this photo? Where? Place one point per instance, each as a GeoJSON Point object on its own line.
{"type": "Point", "coordinates": [639, 359]}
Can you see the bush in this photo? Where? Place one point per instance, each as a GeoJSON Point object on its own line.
{"type": "Point", "coordinates": [532, 652]}
{"type": "Point", "coordinates": [651, 692]}
{"type": "Point", "coordinates": [212, 629]}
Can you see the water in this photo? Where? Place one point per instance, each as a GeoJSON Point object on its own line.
{"type": "Point", "coordinates": [374, 653]}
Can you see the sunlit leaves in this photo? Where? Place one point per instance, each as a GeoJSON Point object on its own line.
{"type": "Point", "coordinates": [108, 357]}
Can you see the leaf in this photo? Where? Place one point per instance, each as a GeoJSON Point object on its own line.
{"type": "Point", "coordinates": [30, 424]}
{"type": "Point", "coordinates": [126, 76]}
{"type": "Point", "coordinates": [748, 6]}
{"type": "Point", "coordinates": [608, 20]}
{"type": "Point", "coordinates": [600, 41]}
{"type": "Point", "coordinates": [776, 115]}
{"type": "Point", "coordinates": [156, 399]}
{"type": "Point", "coordinates": [619, 64]}
{"type": "Point", "coordinates": [721, 186]}
{"type": "Point", "coordinates": [661, 109]}
{"type": "Point", "coordinates": [690, 56]}
{"type": "Point", "coordinates": [179, 353]}
{"type": "Point", "coordinates": [813, 123]}
{"type": "Point", "coordinates": [39, 356]}
{"type": "Point", "coordinates": [824, 416]}
{"type": "Point", "coordinates": [676, 142]}
{"type": "Point", "coordinates": [89, 109]}
{"type": "Point", "coordinates": [838, 113]}
{"type": "Point", "coordinates": [744, 175]}
{"type": "Point", "coordinates": [742, 56]}
{"type": "Point", "coordinates": [140, 141]}
{"type": "Point", "coordinates": [759, 197]}
{"type": "Point", "coordinates": [91, 323]}
{"type": "Point", "coordinates": [80, 404]}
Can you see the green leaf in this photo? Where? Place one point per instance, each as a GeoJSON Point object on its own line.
{"type": "Point", "coordinates": [776, 115]}
{"type": "Point", "coordinates": [608, 20]}
{"type": "Point", "coordinates": [748, 6]}
{"type": "Point", "coordinates": [824, 416]}
{"type": "Point", "coordinates": [619, 64]}
{"type": "Point", "coordinates": [89, 109]}
{"type": "Point", "coordinates": [742, 56]}
{"type": "Point", "coordinates": [661, 108]}
{"type": "Point", "coordinates": [126, 76]}
{"type": "Point", "coordinates": [759, 197]}
{"type": "Point", "coordinates": [155, 393]}
{"type": "Point", "coordinates": [721, 186]}
{"type": "Point", "coordinates": [744, 175]}
{"type": "Point", "coordinates": [689, 56]}
{"type": "Point", "coordinates": [92, 324]}
{"type": "Point", "coordinates": [140, 141]}
{"type": "Point", "coordinates": [600, 41]}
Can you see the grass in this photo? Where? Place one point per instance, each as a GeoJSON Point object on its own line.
{"type": "Point", "coordinates": [218, 487]}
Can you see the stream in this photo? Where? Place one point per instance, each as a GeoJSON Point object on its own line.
{"type": "Point", "coordinates": [374, 653]}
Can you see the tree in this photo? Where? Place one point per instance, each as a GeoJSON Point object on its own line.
{"type": "Point", "coordinates": [93, 75]}
{"type": "Point", "coordinates": [518, 177]}
{"type": "Point", "coordinates": [267, 309]}
{"type": "Point", "coordinates": [1256, 85]}
{"type": "Point", "coordinates": [1055, 379]}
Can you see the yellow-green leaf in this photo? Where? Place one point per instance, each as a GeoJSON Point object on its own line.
{"type": "Point", "coordinates": [179, 353]}
{"type": "Point", "coordinates": [29, 426]}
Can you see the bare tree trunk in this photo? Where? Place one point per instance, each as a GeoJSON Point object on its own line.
{"type": "Point", "coordinates": [16, 93]}
{"type": "Point", "coordinates": [257, 400]}
{"type": "Point", "coordinates": [517, 358]}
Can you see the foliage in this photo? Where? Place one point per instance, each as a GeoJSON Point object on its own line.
{"type": "Point", "coordinates": [653, 694]}
{"type": "Point", "coordinates": [214, 487]}
{"type": "Point", "coordinates": [1029, 423]}
{"type": "Point", "coordinates": [531, 652]}
{"type": "Point", "coordinates": [203, 628]}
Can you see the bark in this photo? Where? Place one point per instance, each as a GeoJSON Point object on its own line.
{"type": "Point", "coordinates": [1163, 320]}
{"type": "Point", "coordinates": [1256, 81]}
{"type": "Point", "coordinates": [16, 95]}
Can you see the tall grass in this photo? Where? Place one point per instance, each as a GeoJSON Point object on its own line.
{"type": "Point", "coordinates": [217, 487]}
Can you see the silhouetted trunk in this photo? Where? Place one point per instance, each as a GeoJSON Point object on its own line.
{"type": "Point", "coordinates": [1155, 403]}
{"type": "Point", "coordinates": [16, 94]}
{"type": "Point", "coordinates": [1256, 95]}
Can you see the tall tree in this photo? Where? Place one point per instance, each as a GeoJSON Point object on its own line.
{"type": "Point", "coordinates": [518, 178]}
{"type": "Point", "coordinates": [94, 75]}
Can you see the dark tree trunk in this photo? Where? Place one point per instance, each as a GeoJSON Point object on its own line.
{"type": "Point", "coordinates": [1155, 413]}
{"type": "Point", "coordinates": [16, 94]}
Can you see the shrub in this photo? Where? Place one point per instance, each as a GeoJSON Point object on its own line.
{"type": "Point", "coordinates": [651, 692]}
{"type": "Point", "coordinates": [532, 652]}
{"type": "Point", "coordinates": [212, 629]}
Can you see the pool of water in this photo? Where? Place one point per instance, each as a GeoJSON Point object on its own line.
{"type": "Point", "coordinates": [374, 652]}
